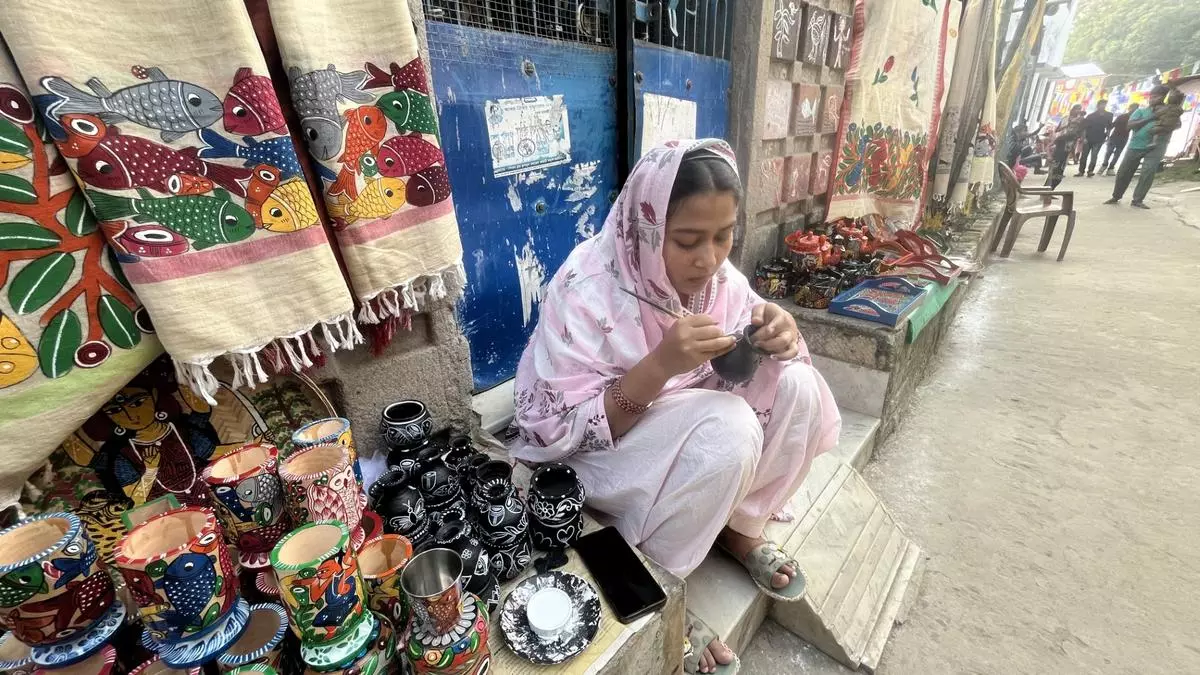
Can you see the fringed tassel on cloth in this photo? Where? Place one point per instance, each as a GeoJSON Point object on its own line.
{"type": "Point", "coordinates": [287, 354]}
{"type": "Point", "coordinates": [391, 309]}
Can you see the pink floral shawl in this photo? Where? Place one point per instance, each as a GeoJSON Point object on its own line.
{"type": "Point", "coordinates": [590, 333]}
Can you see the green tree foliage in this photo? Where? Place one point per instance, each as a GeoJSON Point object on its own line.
{"type": "Point", "coordinates": [1134, 37]}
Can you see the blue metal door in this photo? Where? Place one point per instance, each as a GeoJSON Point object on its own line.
{"type": "Point", "coordinates": [524, 198]}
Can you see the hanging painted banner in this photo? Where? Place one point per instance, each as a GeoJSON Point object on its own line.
{"type": "Point", "coordinates": [893, 92]}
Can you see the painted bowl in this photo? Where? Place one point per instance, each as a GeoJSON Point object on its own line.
{"type": "Point", "coordinates": [320, 582]}
{"type": "Point", "coordinates": [262, 643]}
{"type": "Point", "coordinates": [156, 666]}
{"type": "Point", "coordinates": [249, 496]}
{"type": "Point", "coordinates": [52, 587]}
{"type": "Point", "coordinates": [100, 663]}
{"type": "Point", "coordinates": [15, 658]}
{"type": "Point", "coordinates": [180, 573]}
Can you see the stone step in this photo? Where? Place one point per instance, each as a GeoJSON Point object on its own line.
{"type": "Point", "coordinates": [721, 593]}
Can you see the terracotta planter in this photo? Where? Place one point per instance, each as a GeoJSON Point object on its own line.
{"type": "Point", "coordinates": [249, 496]}
{"type": "Point", "coordinates": [262, 643]}
{"type": "Point", "coordinates": [320, 485]}
{"type": "Point", "coordinates": [377, 658]}
{"type": "Point", "coordinates": [180, 573]}
{"type": "Point", "coordinates": [100, 663]}
{"type": "Point", "coordinates": [327, 431]}
{"type": "Point", "coordinates": [53, 590]}
{"type": "Point", "coordinates": [432, 582]}
{"type": "Point", "coordinates": [155, 666]}
{"type": "Point", "coordinates": [381, 561]}
{"type": "Point", "coordinates": [320, 582]}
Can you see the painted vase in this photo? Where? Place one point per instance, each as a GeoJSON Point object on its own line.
{"type": "Point", "coordinates": [54, 593]}
{"type": "Point", "coordinates": [249, 495]}
{"type": "Point", "coordinates": [466, 471]}
{"type": "Point", "coordinates": [377, 657]}
{"type": "Point", "coordinates": [262, 643]}
{"type": "Point", "coordinates": [458, 536]}
{"type": "Point", "coordinates": [405, 425]}
{"type": "Point", "coordinates": [460, 450]}
{"type": "Point", "coordinates": [402, 508]}
{"type": "Point", "coordinates": [508, 561]}
{"type": "Point", "coordinates": [320, 582]}
{"type": "Point", "coordinates": [486, 588]}
{"type": "Point", "coordinates": [328, 430]}
{"type": "Point", "coordinates": [438, 485]}
{"type": "Point", "coordinates": [555, 507]}
{"type": "Point", "coordinates": [15, 657]}
{"type": "Point", "coordinates": [103, 662]}
{"type": "Point", "coordinates": [462, 650]}
{"type": "Point", "coordinates": [320, 485]}
{"type": "Point", "coordinates": [432, 582]}
{"type": "Point", "coordinates": [156, 666]}
{"type": "Point", "coordinates": [381, 560]}
{"type": "Point", "coordinates": [501, 519]}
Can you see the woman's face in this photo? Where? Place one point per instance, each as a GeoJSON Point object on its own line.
{"type": "Point", "coordinates": [699, 237]}
{"type": "Point", "coordinates": [132, 408]}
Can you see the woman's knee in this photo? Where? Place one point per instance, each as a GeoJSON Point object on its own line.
{"type": "Point", "coordinates": [733, 427]}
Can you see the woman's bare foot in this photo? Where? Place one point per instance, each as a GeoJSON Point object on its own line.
{"type": "Point", "coordinates": [740, 546]}
{"type": "Point", "coordinates": [715, 654]}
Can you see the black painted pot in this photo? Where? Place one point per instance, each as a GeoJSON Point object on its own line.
{"type": "Point", "coordinates": [498, 512]}
{"type": "Point", "coordinates": [405, 425]}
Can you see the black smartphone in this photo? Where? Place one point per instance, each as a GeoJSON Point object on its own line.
{"type": "Point", "coordinates": [627, 585]}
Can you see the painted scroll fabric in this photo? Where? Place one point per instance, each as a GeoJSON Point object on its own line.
{"type": "Point", "coordinates": [983, 150]}
{"type": "Point", "coordinates": [71, 331]}
{"type": "Point", "coordinates": [961, 78]}
{"type": "Point", "coordinates": [180, 142]}
{"type": "Point", "coordinates": [894, 87]}
{"type": "Point", "coordinates": [366, 114]}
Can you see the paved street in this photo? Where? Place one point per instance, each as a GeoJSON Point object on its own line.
{"type": "Point", "coordinates": [1050, 465]}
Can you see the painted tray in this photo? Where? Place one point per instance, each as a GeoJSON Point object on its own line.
{"type": "Point", "coordinates": [885, 300]}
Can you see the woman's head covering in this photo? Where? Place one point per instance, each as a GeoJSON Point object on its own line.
{"type": "Point", "coordinates": [590, 332]}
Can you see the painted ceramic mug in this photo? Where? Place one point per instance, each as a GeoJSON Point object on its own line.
{"type": "Point", "coordinates": [250, 496]}
{"type": "Point", "coordinates": [319, 484]}
{"type": "Point", "coordinates": [376, 659]}
{"type": "Point", "coordinates": [320, 582]}
{"type": "Point", "coordinates": [101, 663]}
{"type": "Point", "coordinates": [262, 643]}
{"type": "Point", "coordinates": [325, 431]}
{"type": "Point", "coordinates": [381, 561]}
{"type": "Point", "coordinates": [15, 658]}
{"type": "Point", "coordinates": [180, 573]}
{"type": "Point", "coordinates": [156, 666]}
{"type": "Point", "coordinates": [432, 582]}
{"type": "Point", "coordinates": [52, 587]}
{"type": "Point", "coordinates": [463, 650]}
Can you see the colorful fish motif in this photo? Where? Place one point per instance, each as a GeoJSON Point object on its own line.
{"type": "Point", "coordinates": [365, 128]}
{"type": "Point", "coordinates": [14, 105]}
{"type": "Point", "coordinates": [289, 208]}
{"type": "Point", "coordinates": [83, 134]}
{"type": "Point", "coordinates": [21, 584]}
{"type": "Point", "coordinates": [122, 161]}
{"type": "Point", "coordinates": [251, 107]}
{"type": "Point", "coordinates": [277, 152]}
{"type": "Point", "coordinates": [189, 583]}
{"type": "Point", "coordinates": [406, 155]}
{"type": "Point", "coordinates": [90, 598]}
{"type": "Point", "coordinates": [71, 567]}
{"type": "Point", "coordinates": [263, 181]}
{"type": "Point", "coordinates": [207, 221]}
{"type": "Point", "coordinates": [429, 186]}
{"type": "Point", "coordinates": [382, 197]}
{"type": "Point", "coordinates": [172, 106]}
{"type": "Point", "coordinates": [337, 607]}
{"type": "Point", "coordinates": [411, 76]}
{"type": "Point", "coordinates": [187, 184]}
{"type": "Point", "coordinates": [368, 166]}
{"type": "Point", "coordinates": [409, 110]}
{"type": "Point", "coordinates": [315, 96]}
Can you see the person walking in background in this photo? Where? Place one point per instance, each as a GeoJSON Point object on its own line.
{"type": "Point", "coordinates": [1117, 138]}
{"type": "Point", "coordinates": [1064, 140]}
{"type": "Point", "coordinates": [1095, 130]}
{"type": "Point", "coordinates": [1147, 145]}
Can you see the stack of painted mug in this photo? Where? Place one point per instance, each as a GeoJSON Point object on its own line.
{"type": "Point", "coordinates": [320, 484]}
{"type": "Point", "coordinates": [326, 598]}
{"type": "Point", "coordinates": [56, 596]}
{"type": "Point", "coordinates": [183, 579]}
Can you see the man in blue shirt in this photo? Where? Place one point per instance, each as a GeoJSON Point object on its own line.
{"type": "Point", "coordinates": [1145, 148]}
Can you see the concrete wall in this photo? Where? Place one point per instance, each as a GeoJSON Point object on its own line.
{"type": "Point", "coordinates": [763, 127]}
{"type": "Point", "coordinates": [430, 363]}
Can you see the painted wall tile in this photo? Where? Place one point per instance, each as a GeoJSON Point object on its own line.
{"type": "Point", "coordinates": [841, 34]}
{"type": "Point", "coordinates": [806, 104]}
{"type": "Point", "coordinates": [822, 162]}
{"type": "Point", "coordinates": [777, 108]}
{"type": "Point", "coordinates": [796, 172]}
{"type": "Point", "coordinates": [816, 35]}
{"type": "Point", "coordinates": [831, 109]}
{"type": "Point", "coordinates": [785, 27]}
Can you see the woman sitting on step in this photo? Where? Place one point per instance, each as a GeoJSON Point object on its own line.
{"type": "Point", "coordinates": [672, 455]}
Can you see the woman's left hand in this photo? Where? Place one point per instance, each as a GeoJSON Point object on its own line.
{"type": "Point", "coordinates": [777, 333]}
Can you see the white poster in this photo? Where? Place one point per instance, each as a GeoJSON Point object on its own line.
{"type": "Point", "coordinates": [527, 133]}
{"type": "Point", "coordinates": [666, 119]}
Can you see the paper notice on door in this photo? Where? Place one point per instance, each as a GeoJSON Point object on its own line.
{"type": "Point", "coordinates": [666, 119]}
{"type": "Point", "coordinates": [527, 133]}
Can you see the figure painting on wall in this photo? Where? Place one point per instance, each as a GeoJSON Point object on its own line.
{"type": "Point", "coordinates": [786, 30]}
{"type": "Point", "coordinates": [807, 103]}
{"type": "Point", "coordinates": [841, 27]}
{"type": "Point", "coordinates": [816, 35]}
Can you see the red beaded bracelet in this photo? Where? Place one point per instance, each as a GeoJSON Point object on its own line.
{"type": "Point", "coordinates": [624, 402]}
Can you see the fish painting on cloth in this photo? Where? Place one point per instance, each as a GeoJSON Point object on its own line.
{"type": "Point", "coordinates": [370, 123]}
{"type": "Point", "coordinates": [187, 160]}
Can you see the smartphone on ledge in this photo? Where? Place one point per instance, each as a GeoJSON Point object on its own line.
{"type": "Point", "coordinates": [627, 585]}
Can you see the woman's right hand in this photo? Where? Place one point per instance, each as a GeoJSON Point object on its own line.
{"type": "Point", "coordinates": [691, 341]}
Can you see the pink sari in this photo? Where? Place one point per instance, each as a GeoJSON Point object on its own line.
{"type": "Point", "coordinates": [590, 333]}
